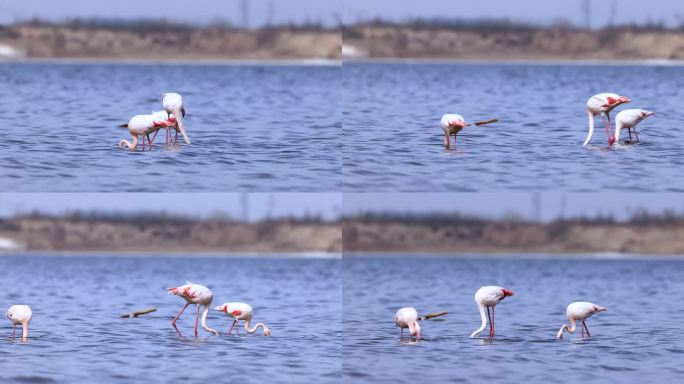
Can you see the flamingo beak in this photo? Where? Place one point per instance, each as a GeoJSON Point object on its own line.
{"type": "Point", "coordinates": [624, 99]}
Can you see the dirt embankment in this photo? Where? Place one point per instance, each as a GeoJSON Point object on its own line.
{"type": "Point", "coordinates": [382, 41]}
{"type": "Point", "coordinates": [57, 234]}
{"type": "Point", "coordinates": [55, 41]}
{"type": "Point", "coordinates": [512, 237]}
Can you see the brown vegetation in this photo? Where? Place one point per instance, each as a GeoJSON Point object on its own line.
{"type": "Point", "coordinates": [505, 41]}
{"type": "Point", "coordinates": [168, 234]}
{"type": "Point", "coordinates": [458, 235]}
{"type": "Point", "coordinates": [149, 40]}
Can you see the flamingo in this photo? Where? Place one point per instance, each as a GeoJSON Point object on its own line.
{"type": "Point", "coordinates": [194, 294]}
{"type": "Point", "coordinates": [629, 118]}
{"type": "Point", "coordinates": [144, 125]}
{"type": "Point", "coordinates": [579, 311]}
{"type": "Point", "coordinates": [20, 314]}
{"type": "Point", "coordinates": [488, 297]}
{"type": "Point", "coordinates": [407, 317]}
{"type": "Point", "coordinates": [173, 103]}
{"type": "Point", "coordinates": [601, 104]}
{"type": "Point", "coordinates": [452, 124]}
{"type": "Point", "coordinates": [242, 311]}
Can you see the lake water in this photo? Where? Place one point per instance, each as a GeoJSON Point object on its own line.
{"type": "Point", "coordinates": [639, 339]}
{"type": "Point", "coordinates": [393, 140]}
{"type": "Point", "coordinates": [252, 127]}
{"type": "Point", "coordinates": [76, 335]}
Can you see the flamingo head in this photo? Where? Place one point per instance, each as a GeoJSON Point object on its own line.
{"type": "Point", "coordinates": [222, 308]}
{"type": "Point", "coordinates": [267, 331]}
{"type": "Point", "coordinates": [507, 292]}
{"type": "Point", "coordinates": [598, 308]}
{"type": "Point", "coordinates": [623, 99]}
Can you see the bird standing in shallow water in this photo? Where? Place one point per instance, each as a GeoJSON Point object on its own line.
{"type": "Point", "coordinates": [629, 118]}
{"type": "Point", "coordinates": [407, 317]}
{"type": "Point", "coordinates": [194, 294]}
{"type": "Point", "coordinates": [173, 103]}
{"type": "Point", "coordinates": [579, 311]}
{"type": "Point", "coordinates": [144, 125]}
{"type": "Point", "coordinates": [488, 297]}
{"type": "Point", "coordinates": [242, 311]}
{"type": "Point", "coordinates": [20, 315]}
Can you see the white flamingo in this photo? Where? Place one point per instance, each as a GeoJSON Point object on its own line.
{"type": "Point", "coordinates": [407, 317]}
{"type": "Point", "coordinates": [144, 125]}
{"type": "Point", "coordinates": [579, 311]}
{"type": "Point", "coordinates": [20, 315]}
{"type": "Point", "coordinates": [601, 104]}
{"type": "Point", "coordinates": [488, 297]}
{"type": "Point", "coordinates": [242, 311]}
{"type": "Point", "coordinates": [173, 103]}
{"type": "Point", "coordinates": [194, 294]}
{"type": "Point", "coordinates": [452, 124]}
{"type": "Point", "coordinates": [629, 118]}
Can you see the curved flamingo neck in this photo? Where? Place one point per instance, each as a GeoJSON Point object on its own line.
{"type": "Point", "coordinates": [256, 326]}
{"type": "Point", "coordinates": [591, 128]}
{"type": "Point", "coordinates": [484, 320]}
{"type": "Point", "coordinates": [130, 145]}
{"type": "Point", "coordinates": [204, 321]}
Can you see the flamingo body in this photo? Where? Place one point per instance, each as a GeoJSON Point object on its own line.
{"type": "Point", "coordinates": [242, 311]}
{"type": "Point", "coordinates": [452, 124]}
{"type": "Point", "coordinates": [198, 295]}
{"type": "Point", "coordinates": [601, 104]}
{"type": "Point", "coordinates": [487, 298]}
{"type": "Point", "coordinates": [629, 118]}
{"type": "Point", "coordinates": [407, 317]}
{"type": "Point", "coordinates": [579, 311]}
{"type": "Point", "coordinates": [20, 315]}
{"type": "Point", "coordinates": [146, 124]}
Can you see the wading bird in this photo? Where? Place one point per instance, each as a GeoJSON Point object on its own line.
{"type": "Point", "coordinates": [20, 314]}
{"type": "Point", "coordinates": [173, 103]}
{"type": "Point", "coordinates": [194, 294]}
{"type": "Point", "coordinates": [488, 297]}
{"type": "Point", "coordinates": [629, 118]}
{"type": "Point", "coordinates": [242, 311]}
{"type": "Point", "coordinates": [407, 317]}
{"type": "Point", "coordinates": [601, 105]}
{"type": "Point", "coordinates": [452, 124]}
{"type": "Point", "coordinates": [144, 125]}
{"type": "Point", "coordinates": [579, 311]}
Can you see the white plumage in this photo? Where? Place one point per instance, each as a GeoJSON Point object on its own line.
{"type": "Point", "coordinates": [579, 311]}
{"type": "Point", "coordinates": [407, 317]}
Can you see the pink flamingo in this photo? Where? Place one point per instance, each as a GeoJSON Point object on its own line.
{"type": "Point", "coordinates": [601, 105]}
{"type": "Point", "coordinates": [579, 311]}
{"type": "Point", "coordinates": [242, 311]}
{"type": "Point", "coordinates": [194, 294]}
{"type": "Point", "coordinates": [488, 297]}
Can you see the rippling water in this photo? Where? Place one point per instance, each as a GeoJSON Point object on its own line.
{"type": "Point", "coordinates": [252, 127]}
{"type": "Point", "coordinates": [393, 140]}
{"type": "Point", "coordinates": [76, 335]}
{"type": "Point", "coordinates": [638, 340]}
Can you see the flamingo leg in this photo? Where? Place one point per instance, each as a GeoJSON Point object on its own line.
{"type": "Point", "coordinates": [237, 329]}
{"type": "Point", "coordinates": [173, 322]}
{"type": "Point", "coordinates": [493, 323]}
{"type": "Point", "coordinates": [630, 134]}
{"type": "Point", "coordinates": [197, 319]}
{"type": "Point", "coordinates": [401, 335]}
{"type": "Point", "coordinates": [447, 140]}
{"type": "Point", "coordinates": [606, 125]}
{"type": "Point", "coordinates": [489, 317]}
{"type": "Point", "coordinates": [582, 330]}
{"type": "Point", "coordinates": [585, 327]}
{"type": "Point", "coordinates": [231, 327]}
{"type": "Point", "coordinates": [14, 331]}
{"type": "Point", "coordinates": [176, 139]}
{"type": "Point", "coordinates": [153, 137]}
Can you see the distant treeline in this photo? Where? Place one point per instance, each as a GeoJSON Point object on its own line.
{"type": "Point", "coordinates": [639, 217]}
{"type": "Point", "coordinates": [506, 25]}
{"type": "Point", "coordinates": [162, 217]}
{"type": "Point", "coordinates": [164, 24]}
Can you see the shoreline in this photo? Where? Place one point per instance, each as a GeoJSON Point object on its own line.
{"type": "Point", "coordinates": [516, 255]}
{"type": "Point", "coordinates": [313, 62]}
{"type": "Point", "coordinates": [168, 254]}
{"type": "Point", "coordinates": [549, 62]}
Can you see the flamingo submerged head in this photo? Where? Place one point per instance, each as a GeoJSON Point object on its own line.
{"type": "Point", "coordinates": [242, 311]}
{"type": "Point", "coordinates": [579, 311]}
{"type": "Point", "coordinates": [629, 118]}
{"type": "Point", "coordinates": [20, 315]}
{"type": "Point", "coordinates": [487, 298]}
